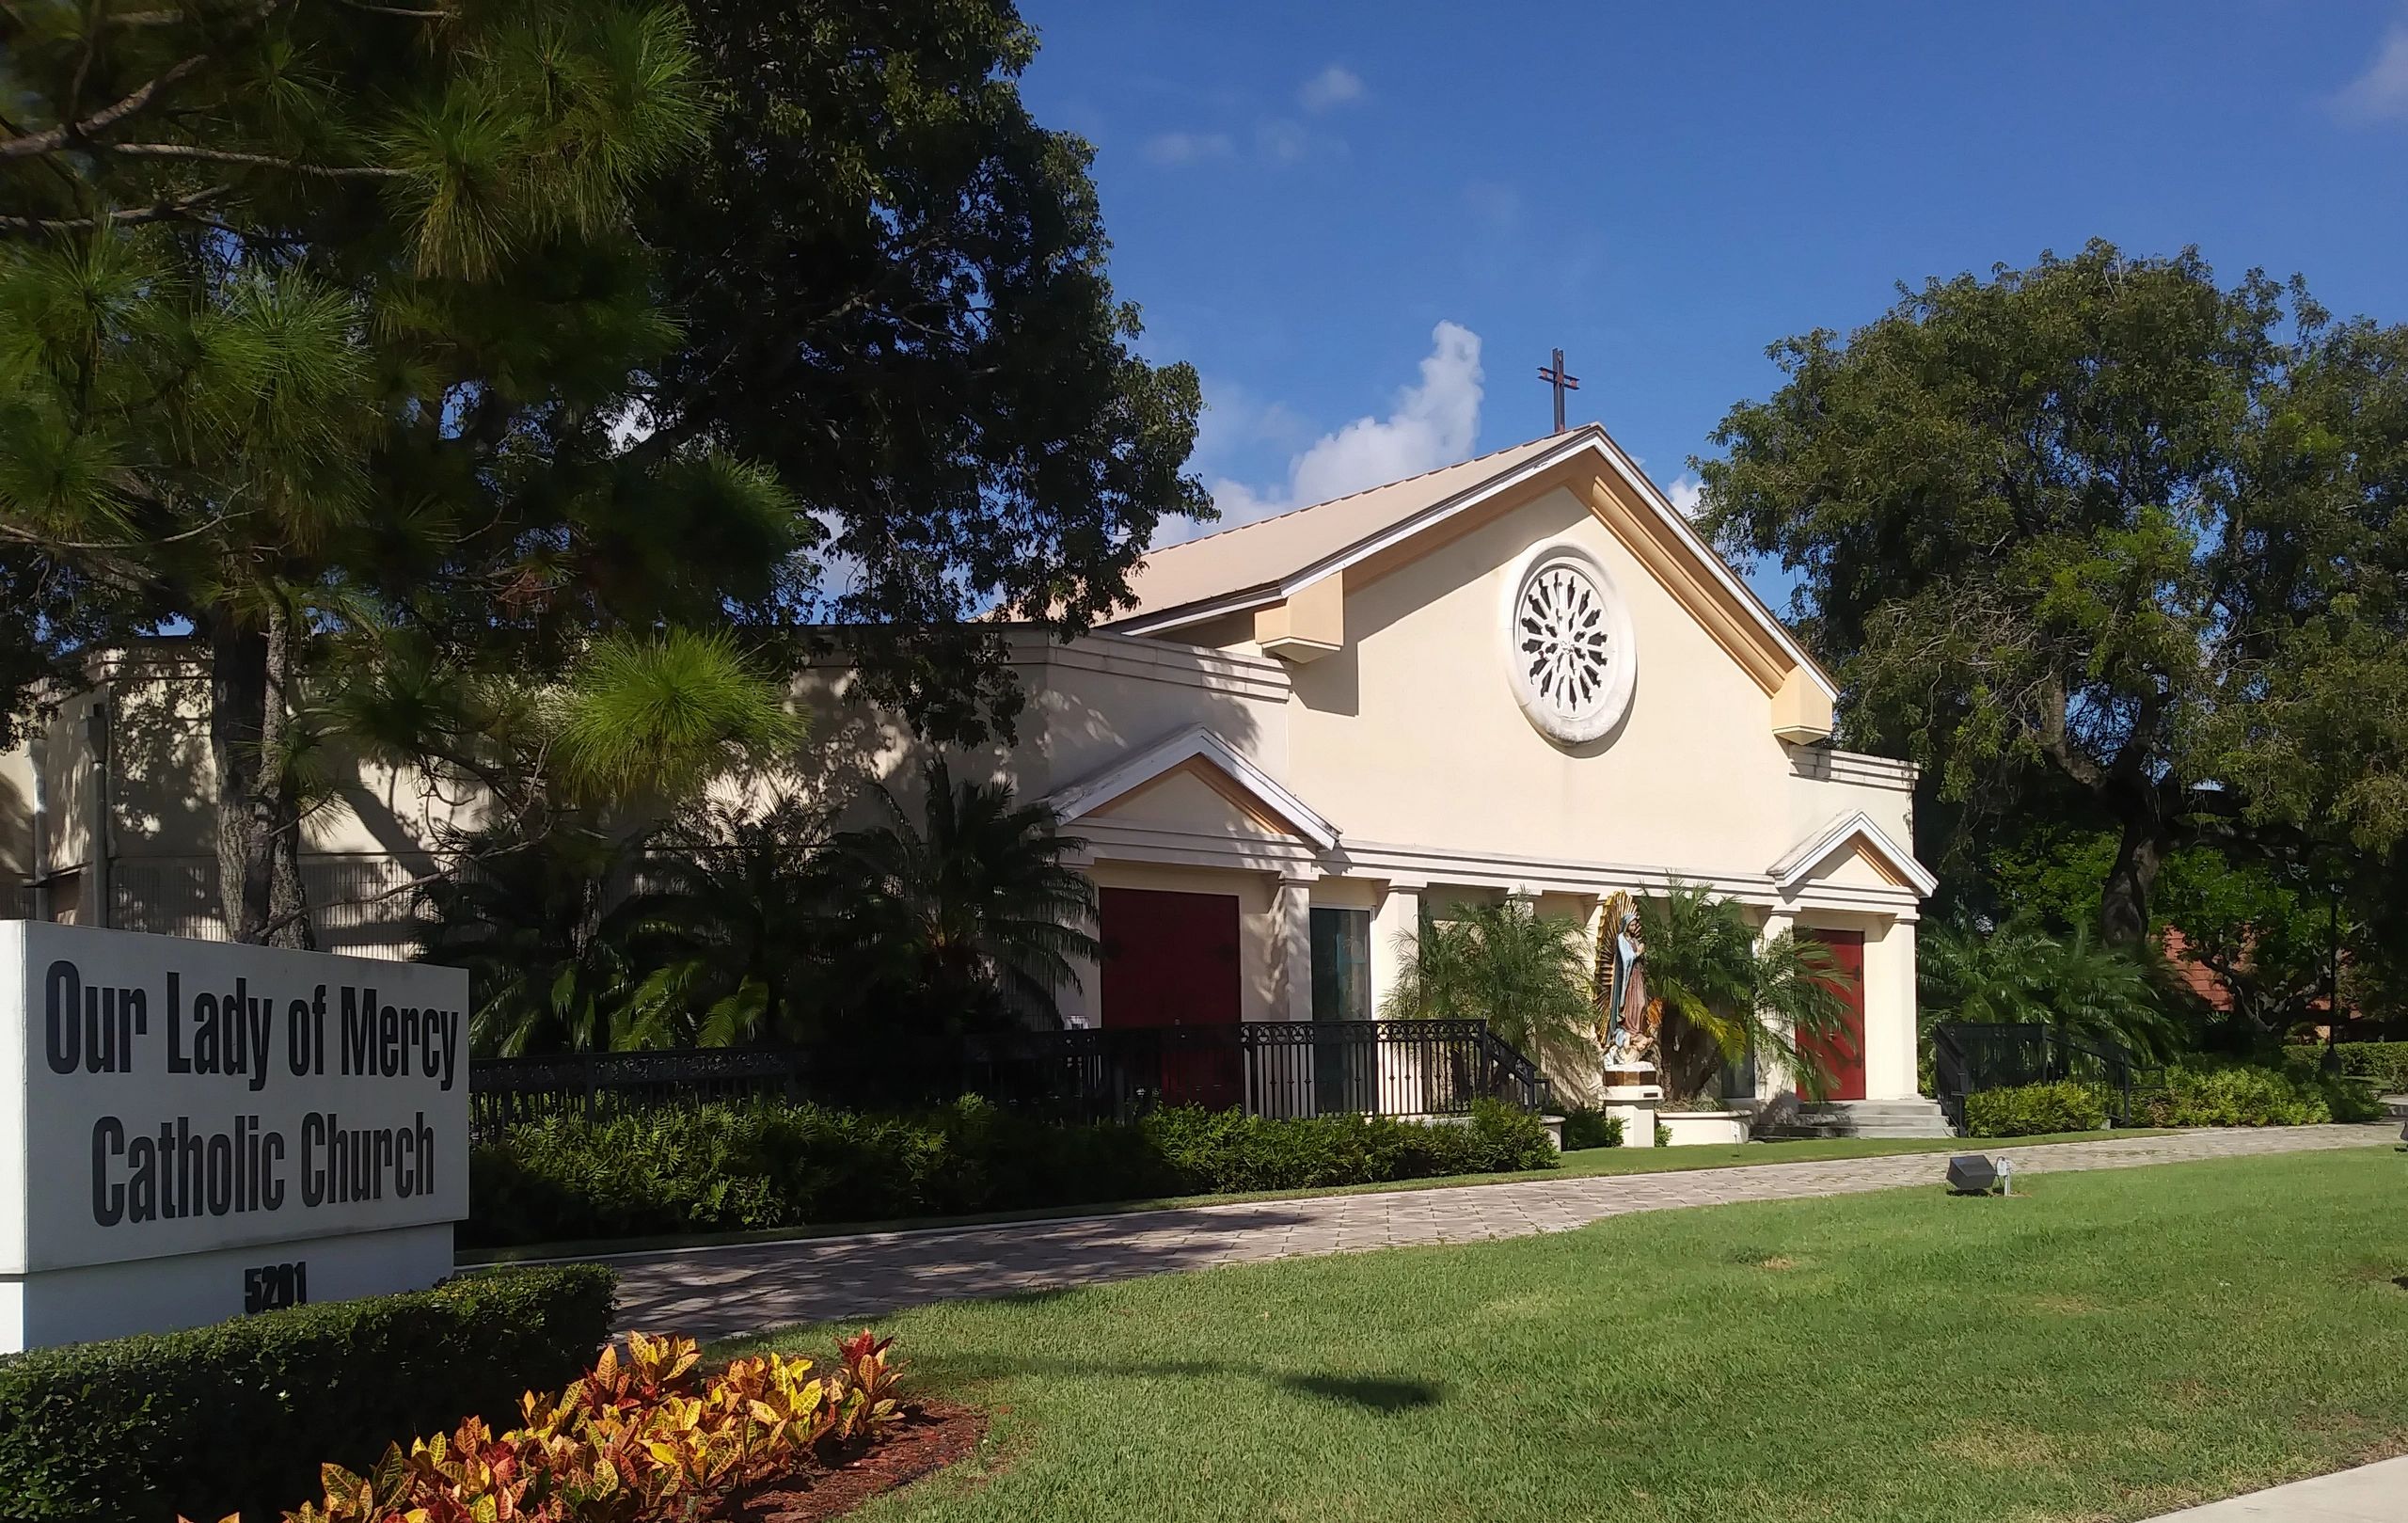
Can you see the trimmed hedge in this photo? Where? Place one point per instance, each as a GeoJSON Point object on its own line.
{"type": "Point", "coordinates": [751, 1166]}
{"type": "Point", "coordinates": [2031, 1109]}
{"type": "Point", "coordinates": [239, 1416]}
{"type": "Point", "coordinates": [1585, 1128]}
{"type": "Point", "coordinates": [2384, 1062]}
{"type": "Point", "coordinates": [2250, 1095]}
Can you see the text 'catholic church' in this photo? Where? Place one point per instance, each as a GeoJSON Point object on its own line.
{"type": "Point", "coordinates": [1520, 676]}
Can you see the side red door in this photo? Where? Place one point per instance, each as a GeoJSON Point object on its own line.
{"type": "Point", "coordinates": [1842, 1058]}
{"type": "Point", "coordinates": [1171, 960]}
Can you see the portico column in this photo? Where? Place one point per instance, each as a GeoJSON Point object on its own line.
{"type": "Point", "coordinates": [1081, 1001]}
{"type": "Point", "coordinates": [1292, 922]}
{"type": "Point", "coordinates": [1890, 1037]}
{"type": "Point", "coordinates": [1396, 941]}
{"type": "Point", "coordinates": [1396, 938]}
{"type": "Point", "coordinates": [1774, 1078]}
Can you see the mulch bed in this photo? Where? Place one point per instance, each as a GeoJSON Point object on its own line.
{"type": "Point", "coordinates": [932, 1436]}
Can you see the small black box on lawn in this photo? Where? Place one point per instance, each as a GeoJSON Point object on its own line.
{"type": "Point", "coordinates": [1971, 1174]}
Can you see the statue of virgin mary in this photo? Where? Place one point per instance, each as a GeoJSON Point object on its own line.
{"type": "Point", "coordinates": [1627, 997]}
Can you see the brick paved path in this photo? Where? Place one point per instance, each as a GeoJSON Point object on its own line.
{"type": "Point", "coordinates": [709, 1292]}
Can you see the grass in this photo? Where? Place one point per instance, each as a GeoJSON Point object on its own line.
{"type": "Point", "coordinates": [2103, 1346]}
{"type": "Point", "coordinates": [1588, 1160]}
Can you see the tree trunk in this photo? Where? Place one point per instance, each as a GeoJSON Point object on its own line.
{"type": "Point", "coordinates": [259, 821]}
{"type": "Point", "coordinates": [2123, 903]}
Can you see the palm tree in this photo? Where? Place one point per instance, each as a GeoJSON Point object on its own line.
{"type": "Point", "coordinates": [537, 924]}
{"type": "Point", "coordinates": [1527, 975]}
{"type": "Point", "coordinates": [730, 924]}
{"type": "Point", "coordinates": [975, 917]}
{"type": "Point", "coordinates": [2017, 973]}
{"type": "Point", "coordinates": [1990, 978]}
{"type": "Point", "coordinates": [1724, 996]}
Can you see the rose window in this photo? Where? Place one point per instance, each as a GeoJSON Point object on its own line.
{"type": "Point", "coordinates": [1569, 647]}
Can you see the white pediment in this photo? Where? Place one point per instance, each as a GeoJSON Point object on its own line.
{"type": "Point", "coordinates": [1193, 776]}
{"type": "Point", "coordinates": [1852, 849]}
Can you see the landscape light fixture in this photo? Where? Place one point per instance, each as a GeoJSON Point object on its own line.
{"type": "Point", "coordinates": [1971, 1174]}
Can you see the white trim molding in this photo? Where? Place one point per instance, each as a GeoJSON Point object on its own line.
{"type": "Point", "coordinates": [1791, 870]}
{"type": "Point", "coordinates": [1198, 742]}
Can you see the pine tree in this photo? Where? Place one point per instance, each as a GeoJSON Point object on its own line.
{"type": "Point", "coordinates": [318, 325]}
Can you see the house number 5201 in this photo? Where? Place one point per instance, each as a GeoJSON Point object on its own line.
{"type": "Point", "coordinates": [273, 1287]}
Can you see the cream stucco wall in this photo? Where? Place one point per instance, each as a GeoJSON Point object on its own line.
{"type": "Point", "coordinates": [1414, 728]}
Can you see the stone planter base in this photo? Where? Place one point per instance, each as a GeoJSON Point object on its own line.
{"type": "Point", "coordinates": [1635, 1103]}
{"type": "Point", "coordinates": [1692, 1129]}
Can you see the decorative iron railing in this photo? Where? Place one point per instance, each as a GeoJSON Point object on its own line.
{"type": "Point", "coordinates": [1969, 1058]}
{"type": "Point", "coordinates": [1269, 1068]}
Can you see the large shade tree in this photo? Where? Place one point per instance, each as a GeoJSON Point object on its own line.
{"type": "Point", "coordinates": [893, 288]}
{"type": "Point", "coordinates": [318, 324]}
{"type": "Point", "coordinates": [2105, 534]}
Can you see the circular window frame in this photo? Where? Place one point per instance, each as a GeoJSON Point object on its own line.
{"type": "Point", "coordinates": [1600, 716]}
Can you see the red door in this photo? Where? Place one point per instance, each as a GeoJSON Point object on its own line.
{"type": "Point", "coordinates": [1842, 1060]}
{"type": "Point", "coordinates": [1171, 960]}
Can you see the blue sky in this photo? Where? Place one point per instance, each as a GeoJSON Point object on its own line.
{"type": "Point", "coordinates": [1366, 225]}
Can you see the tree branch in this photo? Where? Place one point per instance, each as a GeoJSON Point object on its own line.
{"type": "Point", "coordinates": [267, 161]}
{"type": "Point", "coordinates": [177, 210]}
{"type": "Point", "coordinates": [2050, 735]}
{"type": "Point", "coordinates": [109, 116]}
{"type": "Point", "coordinates": [51, 140]}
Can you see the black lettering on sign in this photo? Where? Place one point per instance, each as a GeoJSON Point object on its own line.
{"type": "Point", "coordinates": [273, 1286]}
{"type": "Point", "coordinates": [91, 1029]}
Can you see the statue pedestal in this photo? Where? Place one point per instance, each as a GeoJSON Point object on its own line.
{"type": "Point", "coordinates": [1632, 1095]}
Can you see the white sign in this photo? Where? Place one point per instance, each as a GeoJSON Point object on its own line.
{"type": "Point", "coordinates": [161, 1097]}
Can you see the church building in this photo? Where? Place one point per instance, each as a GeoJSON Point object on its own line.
{"type": "Point", "coordinates": [1520, 676]}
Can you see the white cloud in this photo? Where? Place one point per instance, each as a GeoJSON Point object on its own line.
{"type": "Point", "coordinates": [1189, 147]}
{"type": "Point", "coordinates": [1334, 86]}
{"type": "Point", "coordinates": [1284, 142]}
{"type": "Point", "coordinates": [1687, 493]}
{"type": "Point", "coordinates": [2382, 93]}
{"type": "Point", "coordinates": [1433, 424]}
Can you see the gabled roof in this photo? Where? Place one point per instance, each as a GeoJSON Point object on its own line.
{"type": "Point", "coordinates": [1858, 829]}
{"type": "Point", "coordinates": [1253, 565]}
{"type": "Point", "coordinates": [1198, 742]}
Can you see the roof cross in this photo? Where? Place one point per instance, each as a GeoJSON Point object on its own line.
{"type": "Point", "coordinates": [1556, 376]}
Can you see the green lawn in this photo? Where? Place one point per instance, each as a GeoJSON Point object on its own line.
{"type": "Point", "coordinates": [2104, 1346]}
{"type": "Point", "coordinates": [1587, 1161]}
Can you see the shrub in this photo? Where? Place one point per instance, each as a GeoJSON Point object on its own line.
{"type": "Point", "coordinates": [238, 1416]}
{"type": "Point", "coordinates": [635, 1440]}
{"type": "Point", "coordinates": [2032, 1109]}
{"type": "Point", "coordinates": [1585, 1128]}
{"type": "Point", "coordinates": [760, 1165]}
{"type": "Point", "coordinates": [2386, 1063]}
{"type": "Point", "coordinates": [2251, 1095]}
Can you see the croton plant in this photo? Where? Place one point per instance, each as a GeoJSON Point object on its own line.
{"type": "Point", "coordinates": [639, 1439]}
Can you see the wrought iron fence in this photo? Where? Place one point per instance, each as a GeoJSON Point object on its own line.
{"type": "Point", "coordinates": [1969, 1058]}
{"type": "Point", "coordinates": [1273, 1068]}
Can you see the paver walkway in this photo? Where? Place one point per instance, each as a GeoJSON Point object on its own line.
{"type": "Point", "coordinates": [713, 1292]}
{"type": "Point", "coordinates": [2369, 1494]}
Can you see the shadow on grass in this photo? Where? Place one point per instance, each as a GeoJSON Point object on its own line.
{"type": "Point", "coordinates": [1387, 1395]}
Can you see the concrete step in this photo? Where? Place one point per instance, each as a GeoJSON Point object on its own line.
{"type": "Point", "coordinates": [1855, 1118]}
